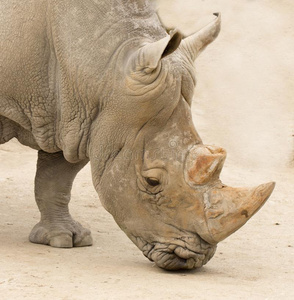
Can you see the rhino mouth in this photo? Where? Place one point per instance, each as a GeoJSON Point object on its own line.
{"type": "Point", "coordinates": [172, 256]}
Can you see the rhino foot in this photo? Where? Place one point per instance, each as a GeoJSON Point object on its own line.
{"type": "Point", "coordinates": [67, 235]}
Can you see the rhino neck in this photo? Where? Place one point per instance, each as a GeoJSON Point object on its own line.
{"type": "Point", "coordinates": [90, 40]}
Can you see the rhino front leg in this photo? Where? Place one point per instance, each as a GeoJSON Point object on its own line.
{"type": "Point", "coordinates": [53, 185]}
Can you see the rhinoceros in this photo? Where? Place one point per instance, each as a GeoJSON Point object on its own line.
{"type": "Point", "coordinates": [103, 81]}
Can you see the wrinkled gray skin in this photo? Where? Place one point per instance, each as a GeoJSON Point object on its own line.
{"type": "Point", "coordinates": [76, 85]}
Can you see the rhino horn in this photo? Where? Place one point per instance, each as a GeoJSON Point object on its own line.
{"type": "Point", "coordinates": [204, 164]}
{"type": "Point", "coordinates": [227, 209]}
{"type": "Point", "coordinates": [194, 44]}
{"type": "Point", "coordinates": [147, 58]}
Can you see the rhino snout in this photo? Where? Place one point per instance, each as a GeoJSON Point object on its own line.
{"type": "Point", "coordinates": [226, 209]}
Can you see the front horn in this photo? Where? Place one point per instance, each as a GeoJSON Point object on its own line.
{"type": "Point", "coordinates": [227, 209]}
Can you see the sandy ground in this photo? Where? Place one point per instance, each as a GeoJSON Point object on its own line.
{"type": "Point", "coordinates": [244, 103]}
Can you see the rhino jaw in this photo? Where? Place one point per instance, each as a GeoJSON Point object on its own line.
{"type": "Point", "coordinates": [227, 209]}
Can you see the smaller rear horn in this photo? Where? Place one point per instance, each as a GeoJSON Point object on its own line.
{"type": "Point", "coordinates": [203, 164]}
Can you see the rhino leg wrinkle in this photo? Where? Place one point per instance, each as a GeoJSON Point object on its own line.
{"type": "Point", "coordinates": [102, 81]}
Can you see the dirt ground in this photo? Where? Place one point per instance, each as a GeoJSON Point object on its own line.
{"type": "Point", "coordinates": [244, 103]}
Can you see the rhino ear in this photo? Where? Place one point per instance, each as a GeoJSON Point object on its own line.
{"type": "Point", "coordinates": [194, 44]}
{"type": "Point", "coordinates": [149, 56]}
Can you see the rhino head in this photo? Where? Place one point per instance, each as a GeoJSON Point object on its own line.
{"type": "Point", "coordinates": [154, 174]}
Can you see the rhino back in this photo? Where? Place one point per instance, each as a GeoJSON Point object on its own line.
{"type": "Point", "coordinates": [60, 61]}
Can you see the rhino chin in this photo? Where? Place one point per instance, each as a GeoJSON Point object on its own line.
{"type": "Point", "coordinates": [173, 257]}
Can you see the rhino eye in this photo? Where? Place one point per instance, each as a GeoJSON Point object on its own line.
{"type": "Point", "coordinates": [152, 181]}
